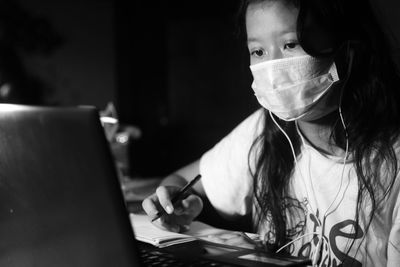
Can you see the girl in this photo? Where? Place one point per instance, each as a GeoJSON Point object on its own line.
{"type": "Point", "coordinates": [317, 166]}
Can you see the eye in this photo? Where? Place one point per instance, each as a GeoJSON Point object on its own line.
{"type": "Point", "coordinates": [291, 45]}
{"type": "Point", "coordinates": [258, 53]}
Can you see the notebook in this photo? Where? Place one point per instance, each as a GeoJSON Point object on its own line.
{"type": "Point", "coordinates": [60, 200]}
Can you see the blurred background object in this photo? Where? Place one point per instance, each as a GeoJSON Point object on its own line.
{"type": "Point", "coordinates": [182, 76]}
{"type": "Point", "coordinates": [120, 138]}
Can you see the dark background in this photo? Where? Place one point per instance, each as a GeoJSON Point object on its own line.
{"type": "Point", "coordinates": [176, 69]}
{"type": "Point", "coordinates": [183, 76]}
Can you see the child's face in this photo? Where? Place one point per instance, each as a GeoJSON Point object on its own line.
{"type": "Point", "coordinates": [271, 31]}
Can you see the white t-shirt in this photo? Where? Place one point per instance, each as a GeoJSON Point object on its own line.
{"type": "Point", "coordinates": [318, 189]}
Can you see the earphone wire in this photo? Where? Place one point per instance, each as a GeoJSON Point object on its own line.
{"type": "Point", "coordinates": [319, 233]}
{"type": "Point", "coordinates": [305, 186]}
{"type": "Point", "coordinates": [327, 212]}
{"type": "Point", "coordinates": [344, 129]}
{"type": "Point", "coordinates": [294, 156]}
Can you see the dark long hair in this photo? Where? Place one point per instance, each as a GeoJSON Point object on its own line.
{"type": "Point", "coordinates": [370, 108]}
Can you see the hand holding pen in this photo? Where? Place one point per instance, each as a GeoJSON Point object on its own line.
{"type": "Point", "coordinates": [173, 208]}
{"type": "Point", "coordinates": [179, 196]}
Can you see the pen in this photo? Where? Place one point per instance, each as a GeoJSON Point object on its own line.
{"type": "Point", "coordinates": [179, 195]}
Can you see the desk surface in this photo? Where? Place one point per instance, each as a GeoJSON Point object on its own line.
{"type": "Point", "coordinates": [196, 251]}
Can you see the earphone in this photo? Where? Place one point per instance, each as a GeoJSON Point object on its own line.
{"type": "Point", "coordinates": [317, 252]}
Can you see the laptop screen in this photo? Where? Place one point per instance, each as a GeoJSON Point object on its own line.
{"type": "Point", "coordinates": [60, 199]}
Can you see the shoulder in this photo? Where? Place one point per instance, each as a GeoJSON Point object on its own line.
{"type": "Point", "coordinates": [252, 126]}
{"type": "Point", "coordinates": [226, 166]}
{"type": "Point", "coordinates": [240, 139]}
{"type": "Point", "coordinates": [256, 118]}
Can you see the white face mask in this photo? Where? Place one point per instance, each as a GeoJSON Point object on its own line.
{"type": "Point", "coordinates": [290, 87]}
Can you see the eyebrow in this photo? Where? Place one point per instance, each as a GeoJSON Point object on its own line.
{"type": "Point", "coordinates": [254, 39]}
{"type": "Point", "coordinates": [249, 40]}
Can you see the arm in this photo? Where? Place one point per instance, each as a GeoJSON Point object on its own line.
{"type": "Point", "coordinates": [225, 177]}
{"type": "Point", "coordinates": [182, 176]}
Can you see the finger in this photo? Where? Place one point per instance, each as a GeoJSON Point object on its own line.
{"type": "Point", "coordinates": [166, 222]}
{"type": "Point", "coordinates": [181, 220]}
{"type": "Point", "coordinates": [179, 210]}
{"type": "Point", "coordinates": [184, 228]}
{"type": "Point", "coordinates": [165, 199]}
{"type": "Point", "coordinates": [150, 207]}
{"type": "Point", "coordinates": [192, 205]}
{"type": "Point", "coordinates": [173, 223]}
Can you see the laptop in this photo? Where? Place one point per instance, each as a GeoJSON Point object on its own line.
{"type": "Point", "coordinates": [60, 198]}
{"type": "Point", "coordinates": [61, 203]}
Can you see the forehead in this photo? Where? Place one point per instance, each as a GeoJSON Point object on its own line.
{"type": "Point", "coordinates": [270, 17]}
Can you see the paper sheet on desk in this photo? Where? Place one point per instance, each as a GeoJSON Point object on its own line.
{"type": "Point", "coordinates": [145, 231]}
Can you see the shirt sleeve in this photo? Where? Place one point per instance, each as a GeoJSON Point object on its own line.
{"type": "Point", "coordinates": [225, 168]}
